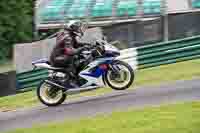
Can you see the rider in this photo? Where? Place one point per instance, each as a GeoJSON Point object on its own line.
{"type": "Point", "coordinates": [67, 47]}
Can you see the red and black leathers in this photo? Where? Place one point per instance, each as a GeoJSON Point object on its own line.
{"type": "Point", "coordinates": [63, 54]}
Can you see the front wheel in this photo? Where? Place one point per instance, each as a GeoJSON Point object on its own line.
{"type": "Point", "coordinates": [49, 95]}
{"type": "Point", "coordinates": [120, 77]}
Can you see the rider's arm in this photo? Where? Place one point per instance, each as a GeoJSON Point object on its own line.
{"type": "Point", "coordinates": [72, 51]}
{"type": "Point", "coordinates": [69, 50]}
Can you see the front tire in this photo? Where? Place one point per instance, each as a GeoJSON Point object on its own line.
{"type": "Point", "coordinates": [120, 85]}
{"type": "Point", "coordinates": [42, 93]}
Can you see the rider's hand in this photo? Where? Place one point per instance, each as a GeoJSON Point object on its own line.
{"type": "Point", "coordinates": [84, 48]}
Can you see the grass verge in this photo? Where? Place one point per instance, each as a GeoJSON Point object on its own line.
{"type": "Point", "coordinates": [157, 75]}
{"type": "Point", "coordinates": [6, 67]}
{"type": "Point", "coordinates": [179, 118]}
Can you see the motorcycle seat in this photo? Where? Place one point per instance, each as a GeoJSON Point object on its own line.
{"type": "Point", "coordinates": [56, 68]}
{"type": "Point", "coordinates": [41, 61]}
{"type": "Point", "coordinates": [47, 65]}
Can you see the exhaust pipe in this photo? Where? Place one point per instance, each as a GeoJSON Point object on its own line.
{"type": "Point", "coordinates": [73, 91]}
{"type": "Point", "coordinates": [81, 90]}
{"type": "Point", "coordinates": [54, 84]}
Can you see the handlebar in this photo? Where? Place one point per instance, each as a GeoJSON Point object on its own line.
{"type": "Point", "coordinates": [99, 44]}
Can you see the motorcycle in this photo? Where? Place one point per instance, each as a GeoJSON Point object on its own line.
{"type": "Point", "coordinates": [100, 68]}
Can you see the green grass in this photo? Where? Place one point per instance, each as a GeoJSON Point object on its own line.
{"type": "Point", "coordinates": [166, 73]}
{"type": "Point", "coordinates": [27, 99]}
{"type": "Point", "coordinates": [179, 118]}
{"type": "Point", "coordinates": [151, 76]}
{"type": "Point", "coordinates": [6, 67]}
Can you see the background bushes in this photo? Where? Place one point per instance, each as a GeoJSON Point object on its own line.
{"type": "Point", "coordinates": [16, 25]}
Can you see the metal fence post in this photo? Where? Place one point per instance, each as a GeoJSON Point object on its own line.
{"type": "Point", "coordinates": [165, 20]}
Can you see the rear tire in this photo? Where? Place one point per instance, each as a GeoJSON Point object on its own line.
{"type": "Point", "coordinates": [128, 84]}
{"type": "Point", "coordinates": [44, 99]}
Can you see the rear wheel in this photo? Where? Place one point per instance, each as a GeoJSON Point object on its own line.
{"type": "Point", "coordinates": [122, 78]}
{"type": "Point", "coordinates": [50, 95]}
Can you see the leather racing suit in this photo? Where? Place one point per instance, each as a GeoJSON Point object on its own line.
{"type": "Point", "coordinates": [66, 49]}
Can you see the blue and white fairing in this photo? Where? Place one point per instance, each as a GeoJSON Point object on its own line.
{"type": "Point", "coordinates": [95, 72]}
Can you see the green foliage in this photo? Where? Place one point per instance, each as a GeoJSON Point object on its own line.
{"type": "Point", "coordinates": [16, 24]}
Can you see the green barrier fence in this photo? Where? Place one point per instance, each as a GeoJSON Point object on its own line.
{"type": "Point", "coordinates": [147, 57]}
{"type": "Point", "coordinates": [164, 53]}
{"type": "Point", "coordinates": [31, 78]}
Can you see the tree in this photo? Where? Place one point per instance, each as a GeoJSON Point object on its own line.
{"type": "Point", "coordinates": [16, 24]}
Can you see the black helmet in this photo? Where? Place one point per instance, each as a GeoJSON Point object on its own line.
{"type": "Point", "coordinates": [77, 26]}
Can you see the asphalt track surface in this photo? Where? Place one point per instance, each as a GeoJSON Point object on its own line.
{"type": "Point", "coordinates": [180, 91]}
